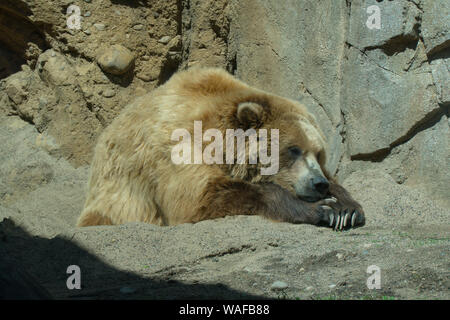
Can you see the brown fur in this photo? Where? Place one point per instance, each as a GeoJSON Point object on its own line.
{"type": "Point", "coordinates": [133, 178]}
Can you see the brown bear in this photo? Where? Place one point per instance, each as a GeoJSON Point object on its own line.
{"type": "Point", "coordinates": [134, 176]}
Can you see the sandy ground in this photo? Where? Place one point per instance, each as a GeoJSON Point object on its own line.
{"type": "Point", "coordinates": [406, 236]}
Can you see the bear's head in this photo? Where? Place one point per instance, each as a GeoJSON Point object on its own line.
{"type": "Point", "coordinates": [301, 145]}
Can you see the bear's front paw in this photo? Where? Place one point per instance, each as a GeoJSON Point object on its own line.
{"type": "Point", "coordinates": [335, 216]}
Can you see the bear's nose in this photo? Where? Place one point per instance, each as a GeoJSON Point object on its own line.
{"type": "Point", "coordinates": [320, 185]}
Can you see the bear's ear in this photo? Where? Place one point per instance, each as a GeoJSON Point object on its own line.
{"type": "Point", "coordinates": [250, 114]}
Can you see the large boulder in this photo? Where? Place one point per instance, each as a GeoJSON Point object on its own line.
{"type": "Point", "coordinates": [116, 60]}
{"type": "Point", "coordinates": [436, 25]}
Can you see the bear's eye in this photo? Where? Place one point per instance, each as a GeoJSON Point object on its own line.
{"type": "Point", "coordinates": [295, 152]}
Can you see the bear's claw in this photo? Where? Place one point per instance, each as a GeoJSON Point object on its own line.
{"type": "Point", "coordinates": [340, 216]}
{"type": "Point", "coordinates": [344, 220]}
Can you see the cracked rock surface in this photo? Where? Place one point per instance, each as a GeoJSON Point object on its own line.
{"type": "Point", "coordinates": [381, 97]}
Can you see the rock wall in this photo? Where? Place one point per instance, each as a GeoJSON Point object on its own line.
{"type": "Point", "coordinates": [380, 95]}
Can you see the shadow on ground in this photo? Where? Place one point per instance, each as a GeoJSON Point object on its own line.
{"type": "Point", "coordinates": [35, 268]}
